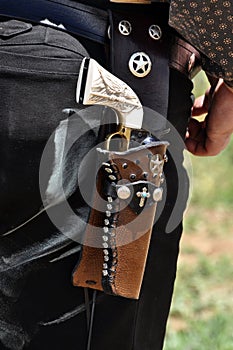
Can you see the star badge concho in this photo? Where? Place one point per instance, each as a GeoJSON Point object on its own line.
{"type": "Point", "coordinates": [140, 64]}
{"type": "Point", "coordinates": [125, 27]}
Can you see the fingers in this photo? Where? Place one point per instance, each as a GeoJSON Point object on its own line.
{"type": "Point", "coordinates": [200, 106]}
{"type": "Point", "coordinates": [210, 137]}
{"type": "Point", "coordinates": [195, 141]}
{"type": "Point", "coordinates": [200, 143]}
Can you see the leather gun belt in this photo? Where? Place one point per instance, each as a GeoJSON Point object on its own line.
{"type": "Point", "coordinates": [92, 23]}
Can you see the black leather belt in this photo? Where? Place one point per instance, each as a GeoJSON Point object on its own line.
{"type": "Point", "coordinates": [86, 21]}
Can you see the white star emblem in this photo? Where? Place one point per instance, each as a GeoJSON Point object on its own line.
{"type": "Point", "coordinates": [140, 64]}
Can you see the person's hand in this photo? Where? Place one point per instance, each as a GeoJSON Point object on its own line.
{"type": "Point", "coordinates": [211, 136]}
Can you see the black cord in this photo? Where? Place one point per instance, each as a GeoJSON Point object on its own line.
{"type": "Point", "coordinates": [87, 304]}
{"type": "Point", "coordinates": [91, 320]}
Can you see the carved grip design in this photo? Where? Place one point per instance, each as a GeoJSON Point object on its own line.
{"type": "Point", "coordinates": [98, 86]}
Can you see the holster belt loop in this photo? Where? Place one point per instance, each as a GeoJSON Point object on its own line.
{"type": "Point", "coordinates": [152, 89]}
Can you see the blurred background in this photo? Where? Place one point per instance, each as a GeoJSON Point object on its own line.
{"type": "Point", "coordinates": [202, 309]}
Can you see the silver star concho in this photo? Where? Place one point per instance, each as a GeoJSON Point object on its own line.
{"type": "Point", "coordinates": [155, 32]}
{"type": "Point", "coordinates": [156, 165]}
{"type": "Point", "coordinates": [125, 27]}
{"type": "Point", "coordinates": [140, 64]}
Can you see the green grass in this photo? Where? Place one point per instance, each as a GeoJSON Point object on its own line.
{"type": "Point", "coordinates": [202, 309]}
{"type": "Point", "coordinates": [213, 179]}
{"type": "Point", "coordinates": [213, 334]}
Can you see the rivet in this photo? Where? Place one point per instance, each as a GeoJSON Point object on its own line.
{"type": "Point", "coordinates": [132, 177]}
{"type": "Point", "coordinates": [124, 165]}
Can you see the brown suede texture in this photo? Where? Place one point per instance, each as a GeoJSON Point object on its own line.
{"type": "Point", "coordinates": [133, 231]}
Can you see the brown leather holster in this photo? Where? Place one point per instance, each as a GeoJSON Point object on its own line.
{"type": "Point", "coordinates": [118, 233]}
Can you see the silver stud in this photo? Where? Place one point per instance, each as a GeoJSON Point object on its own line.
{"type": "Point", "coordinates": [109, 206]}
{"type": "Point", "coordinates": [112, 177]}
{"type": "Point", "coordinates": [125, 27]}
{"type": "Point", "coordinates": [157, 194]}
{"type": "Point", "coordinates": [105, 164]}
{"type": "Point", "coordinates": [105, 229]}
{"type": "Point", "coordinates": [105, 273]}
{"type": "Point", "coordinates": [106, 258]}
{"type": "Point", "coordinates": [123, 192]}
{"type": "Point", "coordinates": [108, 213]}
{"type": "Point", "coordinates": [105, 266]}
{"type": "Point", "coordinates": [155, 32]}
{"type": "Point", "coordinates": [140, 64]}
{"type": "Point", "coordinates": [105, 252]}
{"type": "Point", "coordinates": [105, 238]}
{"type": "Point", "coordinates": [105, 245]}
{"type": "Point", "coordinates": [110, 199]}
{"type": "Point", "coordinates": [108, 170]}
{"type": "Point", "coordinates": [113, 233]}
{"type": "Point", "coordinates": [106, 222]}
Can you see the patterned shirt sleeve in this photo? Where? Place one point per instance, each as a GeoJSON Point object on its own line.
{"type": "Point", "coordinates": [208, 26]}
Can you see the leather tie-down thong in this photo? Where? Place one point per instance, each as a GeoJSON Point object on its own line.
{"type": "Point", "coordinates": [117, 237]}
